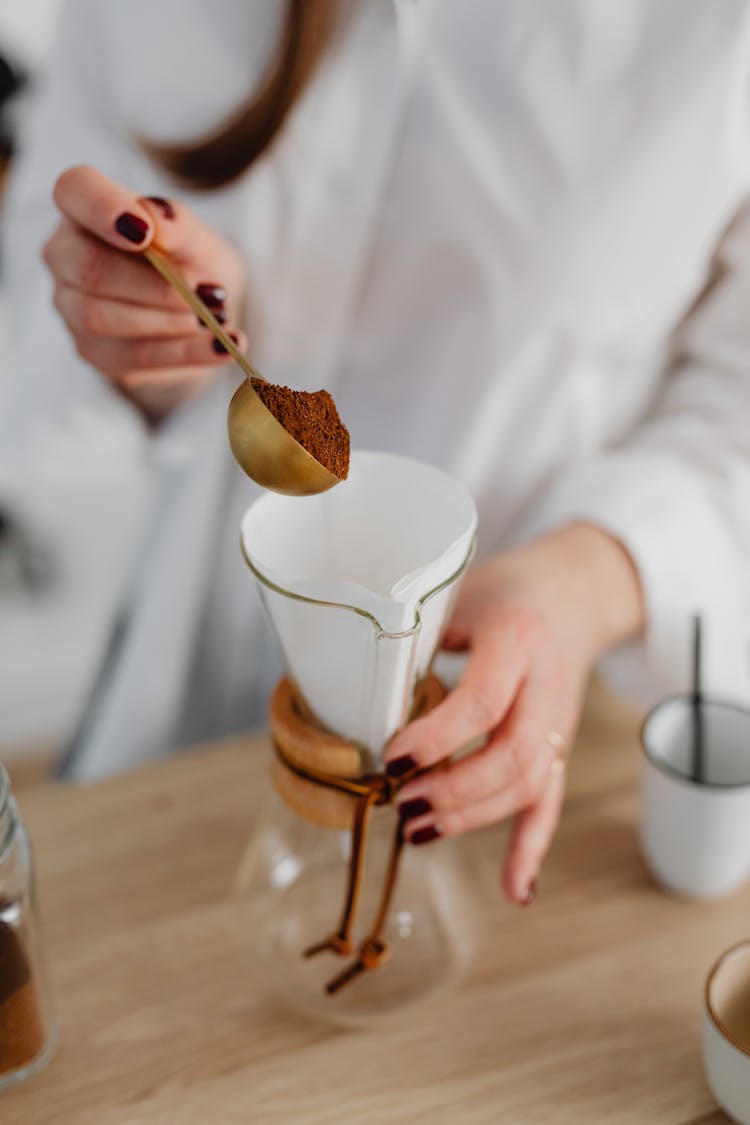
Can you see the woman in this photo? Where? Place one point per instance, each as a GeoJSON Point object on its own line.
{"type": "Point", "coordinates": [511, 239]}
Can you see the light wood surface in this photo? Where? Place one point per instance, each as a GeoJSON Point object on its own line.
{"type": "Point", "coordinates": [583, 1008]}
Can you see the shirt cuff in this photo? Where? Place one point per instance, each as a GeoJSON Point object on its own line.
{"type": "Point", "coordinates": [688, 561]}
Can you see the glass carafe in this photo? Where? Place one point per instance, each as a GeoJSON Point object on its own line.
{"type": "Point", "coordinates": [358, 584]}
{"type": "Point", "coordinates": [290, 887]}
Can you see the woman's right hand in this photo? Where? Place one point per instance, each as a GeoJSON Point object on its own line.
{"type": "Point", "coordinates": [125, 320]}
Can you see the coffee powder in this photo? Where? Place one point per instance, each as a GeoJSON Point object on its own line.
{"type": "Point", "coordinates": [313, 420]}
{"type": "Point", "coordinates": [21, 1025]}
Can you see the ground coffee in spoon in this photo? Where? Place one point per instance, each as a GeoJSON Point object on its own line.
{"type": "Point", "coordinates": [313, 420]}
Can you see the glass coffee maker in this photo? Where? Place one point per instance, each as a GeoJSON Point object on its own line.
{"type": "Point", "coordinates": [358, 584]}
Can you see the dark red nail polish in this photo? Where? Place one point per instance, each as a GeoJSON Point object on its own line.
{"type": "Point", "coordinates": [401, 766]}
{"type": "Point", "coordinates": [527, 898]}
{"type": "Point", "coordinates": [164, 205]}
{"type": "Point", "coordinates": [218, 314]}
{"type": "Point", "coordinates": [212, 295]}
{"type": "Point", "coordinates": [418, 807]}
{"type": "Point", "coordinates": [219, 347]}
{"type": "Point", "coordinates": [131, 227]}
{"type": "Point", "coordinates": [426, 835]}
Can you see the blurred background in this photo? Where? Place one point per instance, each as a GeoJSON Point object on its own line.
{"type": "Point", "coordinates": [56, 593]}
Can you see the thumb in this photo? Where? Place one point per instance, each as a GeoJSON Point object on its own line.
{"type": "Point", "coordinates": [459, 628]}
{"type": "Point", "coordinates": [104, 208]}
{"type": "Point", "coordinates": [455, 638]}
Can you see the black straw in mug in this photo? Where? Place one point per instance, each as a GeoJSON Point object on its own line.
{"type": "Point", "coordinates": [696, 699]}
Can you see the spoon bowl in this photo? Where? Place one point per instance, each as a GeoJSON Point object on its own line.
{"type": "Point", "coordinates": [264, 449]}
{"type": "Point", "coordinates": [268, 453]}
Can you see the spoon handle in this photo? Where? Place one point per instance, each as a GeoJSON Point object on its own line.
{"type": "Point", "coordinates": [178, 282]}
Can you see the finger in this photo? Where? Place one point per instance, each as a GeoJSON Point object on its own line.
{"type": "Point", "coordinates": [531, 837]}
{"type": "Point", "coordinates": [104, 208]}
{"type": "Point", "coordinates": [519, 752]}
{"type": "Point", "coordinates": [463, 620]}
{"type": "Point", "coordinates": [423, 829]}
{"type": "Point", "coordinates": [78, 259]}
{"type": "Point", "coordinates": [481, 699]}
{"type": "Point", "coordinates": [507, 760]}
{"type": "Point", "coordinates": [516, 759]}
{"type": "Point", "coordinates": [467, 609]}
{"type": "Point", "coordinates": [455, 639]}
{"type": "Point", "coordinates": [117, 358]}
{"type": "Point", "coordinates": [95, 316]}
{"type": "Point", "coordinates": [549, 705]}
{"type": "Point", "coordinates": [85, 263]}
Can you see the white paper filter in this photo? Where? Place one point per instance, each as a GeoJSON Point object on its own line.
{"type": "Point", "coordinates": [378, 544]}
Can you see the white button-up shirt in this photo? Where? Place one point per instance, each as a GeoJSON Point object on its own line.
{"type": "Point", "coordinates": [511, 237]}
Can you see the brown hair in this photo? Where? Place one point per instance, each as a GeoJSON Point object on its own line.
{"type": "Point", "coordinates": [215, 160]}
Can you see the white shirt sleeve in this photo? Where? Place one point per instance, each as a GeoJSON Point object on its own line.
{"type": "Point", "coordinates": [676, 493]}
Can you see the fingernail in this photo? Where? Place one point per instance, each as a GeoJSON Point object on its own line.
{"type": "Point", "coordinates": [212, 295]}
{"type": "Point", "coordinates": [530, 894]}
{"type": "Point", "coordinates": [400, 766]}
{"type": "Point", "coordinates": [418, 807]}
{"type": "Point", "coordinates": [218, 314]}
{"type": "Point", "coordinates": [131, 227]}
{"type": "Point", "coordinates": [426, 835]}
{"type": "Point", "coordinates": [164, 205]}
{"type": "Point", "coordinates": [219, 347]}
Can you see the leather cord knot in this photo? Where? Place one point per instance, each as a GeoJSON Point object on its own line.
{"type": "Point", "coordinates": [372, 953]}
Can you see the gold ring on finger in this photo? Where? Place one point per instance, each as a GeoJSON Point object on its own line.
{"type": "Point", "coordinates": [556, 741]}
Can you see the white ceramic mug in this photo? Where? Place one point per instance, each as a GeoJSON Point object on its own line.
{"type": "Point", "coordinates": [726, 1032]}
{"type": "Point", "coordinates": [695, 834]}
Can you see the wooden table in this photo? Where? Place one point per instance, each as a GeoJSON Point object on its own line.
{"type": "Point", "coordinates": [584, 1008]}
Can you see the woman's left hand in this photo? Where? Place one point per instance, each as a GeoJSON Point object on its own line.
{"type": "Point", "coordinates": [533, 620]}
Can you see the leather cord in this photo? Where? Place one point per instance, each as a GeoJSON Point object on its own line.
{"type": "Point", "coordinates": [369, 791]}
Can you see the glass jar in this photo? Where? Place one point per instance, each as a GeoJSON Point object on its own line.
{"type": "Point", "coordinates": [26, 1021]}
{"type": "Point", "coordinates": [291, 888]}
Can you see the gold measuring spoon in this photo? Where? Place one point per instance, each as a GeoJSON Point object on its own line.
{"type": "Point", "coordinates": [264, 449]}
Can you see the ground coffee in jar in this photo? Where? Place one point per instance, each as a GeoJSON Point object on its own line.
{"type": "Point", "coordinates": [313, 420]}
{"type": "Point", "coordinates": [22, 1030]}
{"type": "Point", "coordinates": [27, 1024]}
